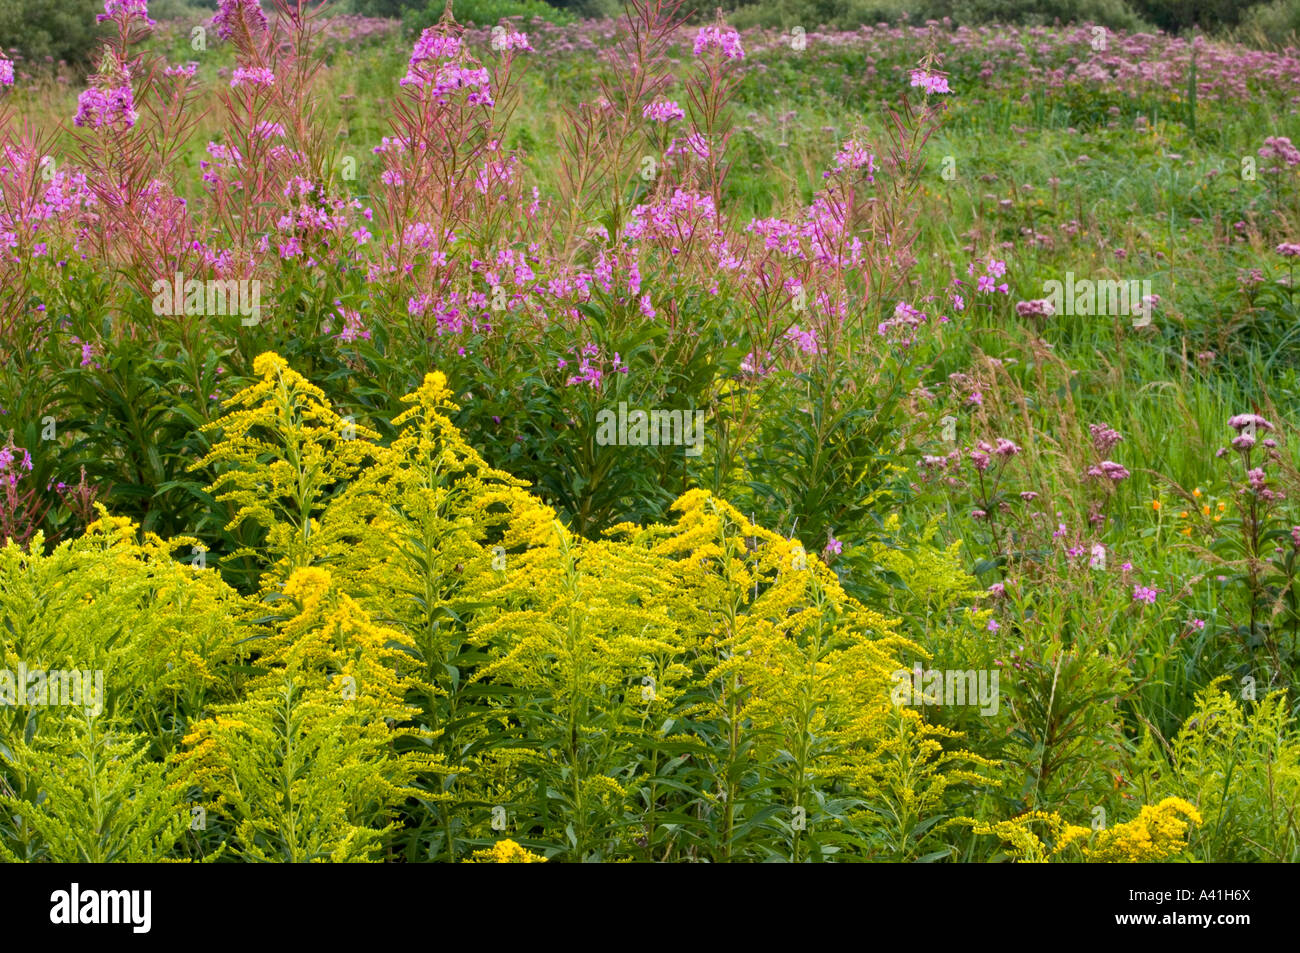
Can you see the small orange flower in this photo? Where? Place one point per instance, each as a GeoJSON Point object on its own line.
{"type": "Point", "coordinates": [1155, 505]}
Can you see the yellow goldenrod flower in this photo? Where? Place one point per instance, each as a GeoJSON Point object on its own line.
{"type": "Point", "coordinates": [505, 852]}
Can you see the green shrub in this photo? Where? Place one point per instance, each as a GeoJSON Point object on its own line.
{"type": "Point", "coordinates": [61, 31]}
{"type": "Point", "coordinates": [1274, 24]}
{"type": "Point", "coordinates": [485, 12]}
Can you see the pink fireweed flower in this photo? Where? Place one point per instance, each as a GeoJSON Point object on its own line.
{"type": "Point", "coordinates": [833, 546]}
{"type": "Point", "coordinates": [1198, 624]}
{"type": "Point", "coordinates": [125, 10]}
{"type": "Point", "coordinates": [997, 590]}
{"type": "Point", "coordinates": [253, 75]}
{"type": "Point", "coordinates": [993, 625]}
{"type": "Point", "coordinates": [665, 110]}
{"type": "Point", "coordinates": [719, 38]}
{"type": "Point", "coordinates": [1145, 594]}
{"type": "Point", "coordinates": [906, 320]}
{"type": "Point", "coordinates": [352, 328]}
{"type": "Point", "coordinates": [496, 172]}
{"type": "Point", "coordinates": [503, 39]}
{"type": "Point", "coordinates": [6, 72]}
{"type": "Point", "coordinates": [677, 218]}
{"type": "Point", "coordinates": [930, 81]}
{"type": "Point", "coordinates": [433, 45]}
{"type": "Point", "coordinates": [806, 340]}
{"type": "Point", "coordinates": [234, 16]}
{"type": "Point", "coordinates": [587, 374]}
{"type": "Point", "coordinates": [694, 144]}
{"type": "Point", "coordinates": [852, 156]}
{"type": "Point", "coordinates": [186, 70]}
{"type": "Point", "coordinates": [752, 365]}
{"type": "Point", "coordinates": [99, 106]}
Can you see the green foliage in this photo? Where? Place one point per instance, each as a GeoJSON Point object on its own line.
{"type": "Point", "coordinates": [1239, 763]}
{"type": "Point", "coordinates": [87, 796]}
{"type": "Point", "coordinates": [483, 13]}
{"type": "Point", "coordinates": [64, 31]}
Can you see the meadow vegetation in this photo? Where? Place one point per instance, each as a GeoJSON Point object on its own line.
{"type": "Point", "coordinates": [310, 327]}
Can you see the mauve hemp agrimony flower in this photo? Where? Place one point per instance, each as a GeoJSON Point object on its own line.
{"type": "Point", "coordinates": [1103, 437]}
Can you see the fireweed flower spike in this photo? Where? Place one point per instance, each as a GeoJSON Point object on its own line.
{"type": "Point", "coordinates": [929, 80]}
{"type": "Point", "coordinates": [239, 16]}
{"type": "Point", "coordinates": [125, 10]}
{"type": "Point", "coordinates": [6, 72]}
{"type": "Point", "coordinates": [719, 38]}
{"type": "Point", "coordinates": [663, 111]}
{"type": "Point", "coordinates": [109, 102]}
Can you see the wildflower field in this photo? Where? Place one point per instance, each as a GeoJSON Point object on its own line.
{"type": "Point", "coordinates": [639, 440]}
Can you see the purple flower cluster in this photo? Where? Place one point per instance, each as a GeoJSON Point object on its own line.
{"type": "Point", "coordinates": [719, 38]}
{"type": "Point", "coordinates": [234, 15]}
{"type": "Point", "coordinates": [663, 111]}
{"type": "Point", "coordinates": [1038, 308]}
{"type": "Point", "coordinates": [124, 10]}
{"type": "Point", "coordinates": [1103, 437]}
{"type": "Point", "coordinates": [100, 106]}
{"type": "Point", "coordinates": [1109, 470]}
{"type": "Point", "coordinates": [931, 81]}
